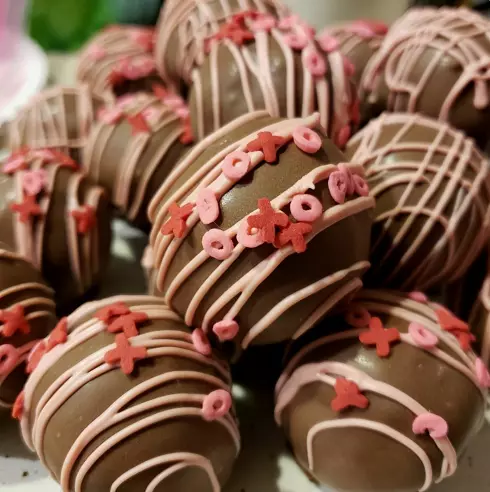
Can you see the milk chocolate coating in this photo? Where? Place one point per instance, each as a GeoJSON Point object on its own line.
{"type": "Point", "coordinates": [432, 190]}
{"type": "Point", "coordinates": [22, 285]}
{"type": "Point", "coordinates": [434, 62]}
{"type": "Point", "coordinates": [71, 262]}
{"type": "Point", "coordinates": [338, 252]}
{"type": "Point", "coordinates": [177, 379]}
{"type": "Point", "coordinates": [131, 166]}
{"type": "Point", "coordinates": [364, 459]}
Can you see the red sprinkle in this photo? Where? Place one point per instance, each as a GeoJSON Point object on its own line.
{"type": "Point", "coordinates": [128, 323]}
{"type": "Point", "coordinates": [267, 143]}
{"type": "Point", "coordinates": [138, 124]}
{"type": "Point", "coordinates": [187, 136]}
{"type": "Point", "coordinates": [295, 234]}
{"type": "Point", "coordinates": [176, 225]}
{"type": "Point", "coordinates": [348, 395]}
{"type": "Point", "coordinates": [450, 322]}
{"type": "Point", "coordinates": [37, 353]}
{"type": "Point", "coordinates": [465, 339]}
{"type": "Point", "coordinates": [160, 91]}
{"type": "Point", "coordinates": [85, 219]}
{"type": "Point", "coordinates": [18, 408]}
{"type": "Point", "coordinates": [62, 159]}
{"type": "Point", "coordinates": [379, 336]}
{"type": "Point", "coordinates": [115, 310]}
{"type": "Point", "coordinates": [14, 321]}
{"type": "Point", "coordinates": [59, 335]}
{"type": "Point", "coordinates": [267, 220]}
{"type": "Point", "coordinates": [124, 354]}
{"type": "Point", "coordinates": [27, 208]}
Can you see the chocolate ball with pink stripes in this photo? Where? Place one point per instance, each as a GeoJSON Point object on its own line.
{"type": "Point", "coordinates": [260, 231]}
{"type": "Point", "coordinates": [152, 402]}
{"type": "Point", "coordinates": [384, 397]}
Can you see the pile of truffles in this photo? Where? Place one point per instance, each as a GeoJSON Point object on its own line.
{"type": "Point", "coordinates": [303, 192]}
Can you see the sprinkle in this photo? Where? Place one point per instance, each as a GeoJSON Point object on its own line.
{"type": "Point", "coordinates": [289, 22]}
{"type": "Point", "coordinates": [267, 220]}
{"type": "Point", "coordinates": [379, 336]}
{"type": "Point", "coordinates": [306, 208]}
{"type": "Point", "coordinates": [127, 323]}
{"type": "Point", "coordinates": [13, 321]}
{"type": "Point", "coordinates": [176, 225]}
{"type": "Point", "coordinates": [235, 165]}
{"type": "Point", "coordinates": [264, 22]}
{"type": "Point", "coordinates": [431, 422]}
{"type": "Point", "coordinates": [307, 140]}
{"type": "Point", "coordinates": [418, 296]}
{"type": "Point", "coordinates": [18, 408]}
{"type": "Point", "coordinates": [62, 159]}
{"type": "Point", "coordinates": [33, 182]}
{"type": "Point", "coordinates": [327, 42]}
{"type": "Point", "coordinates": [217, 244]}
{"type": "Point", "coordinates": [241, 17]}
{"type": "Point", "coordinates": [367, 29]}
{"type": "Point", "coordinates": [107, 314]}
{"type": "Point", "coordinates": [85, 219]}
{"type": "Point", "coordinates": [450, 322]}
{"type": "Point", "coordinates": [59, 335]}
{"type": "Point", "coordinates": [362, 188]}
{"type": "Point", "coordinates": [216, 405]}
{"type": "Point", "coordinates": [294, 233]}
{"type": "Point", "coordinates": [465, 339]}
{"type": "Point", "coordinates": [344, 135]}
{"type": "Point", "coordinates": [347, 395]}
{"type": "Point", "coordinates": [35, 356]}
{"type": "Point", "coordinates": [239, 35]}
{"type": "Point", "coordinates": [349, 179]}
{"type": "Point", "coordinates": [160, 91]}
{"type": "Point", "coordinates": [358, 317]}
{"type": "Point", "coordinates": [296, 41]}
{"type": "Point", "coordinates": [183, 113]}
{"type": "Point", "coordinates": [16, 162]}
{"type": "Point", "coordinates": [124, 354]}
{"type": "Point", "coordinates": [422, 337]}
{"type": "Point", "coordinates": [268, 144]}
{"type": "Point", "coordinates": [226, 330]}
{"type": "Point", "coordinates": [207, 205]}
{"type": "Point", "coordinates": [27, 209]}
{"type": "Point", "coordinates": [201, 342]}
{"type": "Point", "coordinates": [115, 77]}
{"type": "Point", "coordinates": [133, 69]}
{"type": "Point", "coordinates": [315, 64]}
{"type": "Point", "coordinates": [138, 124]}
{"type": "Point", "coordinates": [247, 236]}
{"type": "Point", "coordinates": [482, 374]}
{"type": "Point", "coordinates": [187, 136]}
{"type": "Point", "coordinates": [9, 357]}
{"type": "Point", "coordinates": [337, 185]}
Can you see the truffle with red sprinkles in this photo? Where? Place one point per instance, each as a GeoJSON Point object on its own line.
{"type": "Point", "coordinates": [27, 314]}
{"type": "Point", "coordinates": [154, 410]}
{"type": "Point", "coordinates": [385, 397]}
{"type": "Point", "coordinates": [51, 215]}
{"type": "Point", "coordinates": [260, 230]}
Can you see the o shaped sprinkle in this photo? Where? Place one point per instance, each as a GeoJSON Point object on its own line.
{"type": "Point", "coordinates": [307, 140]}
{"type": "Point", "coordinates": [337, 185]}
{"type": "Point", "coordinates": [358, 317]}
{"type": "Point", "coordinates": [296, 41]}
{"type": "Point", "coordinates": [207, 206]}
{"type": "Point", "coordinates": [431, 422]}
{"type": "Point", "coordinates": [264, 23]}
{"type": "Point", "coordinates": [216, 405]}
{"type": "Point", "coordinates": [360, 185]}
{"type": "Point", "coordinates": [418, 296]}
{"type": "Point", "coordinates": [315, 64]}
{"type": "Point", "coordinates": [348, 177]}
{"type": "Point", "coordinates": [201, 342]}
{"type": "Point", "coordinates": [306, 208]}
{"type": "Point", "coordinates": [217, 244]}
{"type": "Point", "coordinates": [248, 237]}
{"type": "Point", "coordinates": [482, 374]}
{"type": "Point", "coordinates": [422, 337]}
{"type": "Point", "coordinates": [8, 359]}
{"type": "Point", "coordinates": [226, 330]}
{"type": "Point", "coordinates": [235, 165]}
{"type": "Point", "coordinates": [328, 43]}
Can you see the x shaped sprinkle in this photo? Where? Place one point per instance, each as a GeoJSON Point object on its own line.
{"type": "Point", "coordinates": [61, 158]}
{"type": "Point", "coordinates": [85, 219]}
{"type": "Point", "coordinates": [138, 124]}
{"type": "Point", "coordinates": [379, 336]}
{"type": "Point", "coordinates": [348, 395]}
{"type": "Point", "coordinates": [27, 208]}
{"type": "Point", "coordinates": [267, 220]}
{"type": "Point", "coordinates": [124, 354]}
{"type": "Point", "coordinates": [14, 321]}
{"type": "Point", "coordinates": [240, 18]}
{"type": "Point", "coordinates": [294, 233]}
{"type": "Point", "coordinates": [37, 353]}
{"type": "Point", "coordinates": [465, 339]}
{"type": "Point", "coordinates": [127, 323]}
{"type": "Point", "coordinates": [176, 225]}
{"type": "Point", "coordinates": [187, 136]}
{"type": "Point", "coordinates": [267, 143]}
{"type": "Point", "coordinates": [59, 335]}
{"type": "Point", "coordinates": [18, 408]}
{"type": "Point", "coordinates": [450, 322]}
{"type": "Point", "coordinates": [109, 313]}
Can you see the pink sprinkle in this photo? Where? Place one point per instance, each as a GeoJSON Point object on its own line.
{"type": "Point", "coordinates": [327, 42]}
{"type": "Point", "coordinates": [306, 208]}
{"type": "Point", "coordinates": [422, 336]}
{"type": "Point", "coordinates": [182, 112]}
{"type": "Point", "coordinates": [368, 29]}
{"type": "Point", "coordinates": [216, 405]}
{"type": "Point", "coordinates": [235, 165]}
{"type": "Point", "coordinates": [136, 69]}
{"type": "Point", "coordinates": [418, 296]}
{"type": "Point", "coordinates": [110, 116]}
{"type": "Point", "coordinates": [337, 184]}
{"type": "Point", "coordinates": [482, 374]}
{"type": "Point", "coordinates": [431, 422]}
{"type": "Point", "coordinates": [226, 330]}
{"type": "Point", "coordinates": [307, 140]}
{"type": "Point", "coordinates": [344, 169]}
{"type": "Point", "coordinates": [33, 182]}
{"type": "Point", "coordinates": [315, 63]}
{"type": "Point", "coordinates": [201, 342]}
{"type": "Point", "coordinates": [296, 41]}
{"type": "Point", "coordinates": [14, 164]}
{"type": "Point", "coordinates": [207, 206]}
{"type": "Point", "coordinates": [349, 68]}
{"type": "Point", "coordinates": [217, 244]}
{"type": "Point", "coordinates": [358, 317]}
{"type": "Point", "coordinates": [96, 52]}
{"type": "Point", "coordinates": [360, 185]}
{"type": "Point", "coordinates": [248, 238]}
{"type": "Point", "coordinates": [143, 37]}
{"type": "Point", "coordinates": [343, 136]}
{"type": "Point", "coordinates": [9, 357]}
{"type": "Point", "coordinates": [288, 22]}
{"type": "Point", "coordinates": [265, 22]}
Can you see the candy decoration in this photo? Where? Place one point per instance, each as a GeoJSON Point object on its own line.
{"type": "Point", "coordinates": [59, 335]}
{"type": "Point", "coordinates": [449, 321]}
{"type": "Point", "coordinates": [267, 220]}
{"type": "Point", "coordinates": [296, 41]}
{"type": "Point", "coordinates": [422, 337]}
{"type": "Point", "coordinates": [37, 353]}
{"type": "Point", "coordinates": [216, 405]}
{"type": "Point", "coordinates": [85, 218]}
{"type": "Point", "coordinates": [217, 244]}
{"type": "Point", "coordinates": [128, 324]}
{"type": "Point", "coordinates": [124, 354]}
{"type": "Point", "coordinates": [344, 135]}
{"type": "Point", "coordinates": [436, 425]}
{"type": "Point", "coordinates": [109, 313]}
{"type": "Point", "coordinates": [315, 63]}
{"type": "Point", "coordinates": [379, 336]}
{"type": "Point", "coordinates": [9, 357]}
{"type": "Point", "coordinates": [306, 208]}
{"type": "Point", "coordinates": [328, 43]}
{"type": "Point", "coordinates": [347, 395]}
{"type": "Point", "coordinates": [13, 321]}
{"type": "Point", "coordinates": [337, 185]}
{"type": "Point", "coordinates": [294, 233]}
{"type": "Point", "coordinates": [267, 143]}
{"type": "Point", "coordinates": [201, 342]}
{"type": "Point", "coordinates": [418, 296]}
{"type": "Point", "coordinates": [360, 185]}
{"type": "Point", "coordinates": [482, 373]}
{"type": "Point", "coordinates": [138, 124]}
{"type": "Point", "coordinates": [350, 188]}
{"type": "Point", "coordinates": [15, 162]}
{"type": "Point", "coordinates": [176, 225]}
{"type": "Point", "coordinates": [264, 22]}
{"type": "Point", "coordinates": [110, 116]}
{"type": "Point", "coordinates": [33, 182]}
{"type": "Point", "coordinates": [236, 165]}
{"type": "Point", "coordinates": [247, 238]}
{"type": "Point", "coordinates": [18, 408]}
{"type": "Point", "coordinates": [207, 206]}
{"type": "Point", "coordinates": [358, 317]}
{"type": "Point", "coordinates": [27, 209]}
{"type": "Point", "coordinates": [307, 140]}
{"type": "Point", "coordinates": [226, 330]}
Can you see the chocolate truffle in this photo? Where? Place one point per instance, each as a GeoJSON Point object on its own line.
{"type": "Point", "coordinates": [434, 62]}
{"type": "Point", "coordinates": [134, 145]}
{"type": "Point", "coordinates": [432, 191]}
{"type": "Point", "coordinates": [357, 40]}
{"type": "Point", "coordinates": [58, 118]}
{"type": "Point", "coordinates": [386, 399]}
{"type": "Point", "coordinates": [52, 215]}
{"type": "Point", "coordinates": [118, 60]}
{"type": "Point", "coordinates": [258, 62]}
{"type": "Point", "coordinates": [130, 400]}
{"type": "Point", "coordinates": [260, 230]}
{"type": "Point", "coordinates": [27, 314]}
{"type": "Point", "coordinates": [184, 25]}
